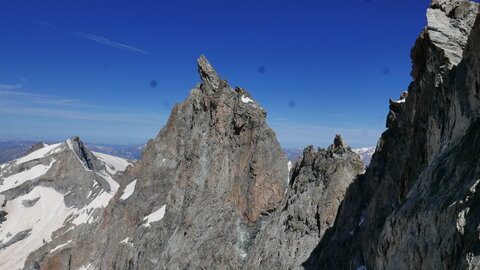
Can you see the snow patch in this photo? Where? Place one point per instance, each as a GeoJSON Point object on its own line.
{"type": "Point", "coordinates": [60, 246]}
{"type": "Point", "coordinates": [43, 218]}
{"type": "Point", "coordinates": [22, 177]}
{"type": "Point", "coordinates": [112, 163]}
{"type": "Point", "coordinates": [40, 153]}
{"type": "Point", "coordinates": [155, 216]}
{"type": "Point", "coordinates": [363, 267]}
{"type": "Point", "coordinates": [112, 183]}
{"type": "Point", "coordinates": [128, 190]}
{"type": "Point", "coordinates": [84, 215]}
{"type": "Point", "coordinates": [289, 166]}
{"type": "Point", "coordinates": [86, 267]}
{"type": "Point", "coordinates": [126, 242]}
{"type": "Point", "coordinates": [365, 153]}
{"type": "Point", "coordinates": [246, 99]}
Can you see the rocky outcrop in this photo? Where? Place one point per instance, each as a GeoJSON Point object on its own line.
{"type": "Point", "coordinates": [200, 193]}
{"type": "Point", "coordinates": [317, 186]}
{"type": "Point", "coordinates": [417, 195]}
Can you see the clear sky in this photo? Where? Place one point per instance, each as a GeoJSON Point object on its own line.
{"type": "Point", "coordinates": [110, 71]}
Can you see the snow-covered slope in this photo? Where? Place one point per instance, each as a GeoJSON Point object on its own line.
{"type": "Point", "coordinates": [47, 195]}
{"type": "Point", "coordinates": [365, 153]}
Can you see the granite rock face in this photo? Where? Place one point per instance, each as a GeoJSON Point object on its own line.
{"type": "Point", "coordinates": [418, 195]}
{"type": "Point", "coordinates": [316, 189]}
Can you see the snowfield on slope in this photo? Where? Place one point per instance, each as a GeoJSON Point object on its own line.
{"type": "Point", "coordinates": [33, 217]}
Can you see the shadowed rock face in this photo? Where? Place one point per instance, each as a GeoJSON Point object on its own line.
{"type": "Point", "coordinates": [417, 195]}
{"type": "Point", "coordinates": [201, 191]}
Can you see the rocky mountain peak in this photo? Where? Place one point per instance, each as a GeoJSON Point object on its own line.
{"type": "Point", "coordinates": [49, 195]}
{"type": "Point", "coordinates": [208, 181]}
{"type": "Point", "coordinates": [84, 155]}
{"type": "Point", "coordinates": [208, 75]}
{"type": "Point", "coordinates": [339, 146]}
{"type": "Point", "coordinates": [339, 142]}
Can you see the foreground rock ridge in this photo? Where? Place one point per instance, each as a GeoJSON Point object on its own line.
{"type": "Point", "coordinates": [418, 197]}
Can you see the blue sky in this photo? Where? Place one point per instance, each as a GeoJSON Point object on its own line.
{"type": "Point", "coordinates": [318, 67]}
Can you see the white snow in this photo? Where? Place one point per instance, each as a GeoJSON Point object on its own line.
{"type": "Point", "coordinates": [46, 216]}
{"type": "Point", "coordinates": [84, 215]}
{"type": "Point", "coordinates": [246, 99]}
{"type": "Point", "coordinates": [126, 242]}
{"type": "Point", "coordinates": [155, 216]}
{"type": "Point", "coordinates": [400, 101]}
{"type": "Point", "coordinates": [22, 177]}
{"type": "Point", "coordinates": [363, 267]}
{"type": "Point", "coordinates": [112, 183]}
{"type": "Point", "coordinates": [60, 246]}
{"type": "Point", "coordinates": [289, 166]}
{"type": "Point", "coordinates": [86, 267]}
{"type": "Point", "coordinates": [40, 153]}
{"type": "Point", "coordinates": [365, 153]}
{"type": "Point", "coordinates": [113, 164]}
{"type": "Point", "coordinates": [128, 190]}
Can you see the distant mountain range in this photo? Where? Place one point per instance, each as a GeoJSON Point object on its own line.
{"type": "Point", "coordinates": [13, 149]}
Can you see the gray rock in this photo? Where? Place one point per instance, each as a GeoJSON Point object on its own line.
{"type": "Point", "coordinates": [54, 194]}
{"type": "Point", "coordinates": [416, 199]}
{"type": "Point", "coordinates": [202, 190]}
{"type": "Point", "coordinates": [317, 186]}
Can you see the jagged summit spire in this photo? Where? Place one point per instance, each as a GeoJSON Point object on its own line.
{"type": "Point", "coordinates": [208, 75]}
{"type": "Point", "coordinates": [339, 141]}
{"type": "Point", "coordinates": [339, 145]}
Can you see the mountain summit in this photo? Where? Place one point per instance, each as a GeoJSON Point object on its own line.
{"type": "Point", "coordinates": [200, 193]}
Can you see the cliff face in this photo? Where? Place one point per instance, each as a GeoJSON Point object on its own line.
{"type": "Point", "coordinates": [417, 195]}
{"type": "Point", "coordinates": [199, 194]}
